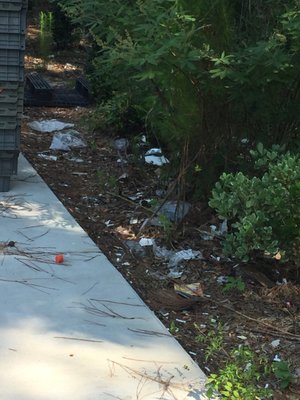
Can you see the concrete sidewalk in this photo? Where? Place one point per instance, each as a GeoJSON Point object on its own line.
{"type": "Point", "coordinates": [77, 330]}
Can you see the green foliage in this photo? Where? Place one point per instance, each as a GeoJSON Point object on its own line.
{"type": "Point", "coordinates": [282, 371]}
{"type": "Point", "coordinates": [214, 339]}
{"type": "Point", "coordinates": [168, 227]}
{"type": "Point", "coordinates": [199, 75]}
{"type": "Point", "coordinates": [173, 329]}
{"type": "Point", "coordinates": [234, 283]}
{"type": "Point", "coordinates": [264, 211]}
{"type": "Point", "coordinates": [45, 34]}
{"type": "Point", "coordinates": [240, 377]}
{"type": "Point", "coordinates": [107, 182]}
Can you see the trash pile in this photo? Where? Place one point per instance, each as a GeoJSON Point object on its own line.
{"type": "Point", "coordinates": [64, 139]}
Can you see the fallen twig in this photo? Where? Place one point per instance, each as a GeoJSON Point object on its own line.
{"type": "Point", "coordinates": [78, 339]}
{"type": "Point", "coordinates": [151, 333]}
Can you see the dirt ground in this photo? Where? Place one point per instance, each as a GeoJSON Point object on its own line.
{"type": "Point", "coordinates": [110, 200]}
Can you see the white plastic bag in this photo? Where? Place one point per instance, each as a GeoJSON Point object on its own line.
{"type": "Point", "coordinates": [50, 125]}
{"type": "Point", "coordinates": [66, 141]}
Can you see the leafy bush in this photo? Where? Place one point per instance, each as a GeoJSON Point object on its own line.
{"type": "Point", "coordinates": [264, 211]}
{"type": "Point", "coordinates": [202, 75]}
{"type": "Point", "coordinates": [240, 377]}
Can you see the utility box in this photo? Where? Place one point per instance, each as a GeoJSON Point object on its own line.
{"type": "Point", "coordinates": [12, 48]}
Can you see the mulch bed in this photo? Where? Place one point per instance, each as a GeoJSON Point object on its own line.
{"type": "Point", "coordinates": [103, 204]}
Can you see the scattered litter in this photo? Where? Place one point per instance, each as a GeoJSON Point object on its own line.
{"type": "Point", "coordinates": [121, 144]}
{"type": "Point", "coordinates": [152, 222]}
{"type": "Point", "coordinates": [244, 141]}
{"type": "Point", "coordinates": [46, 156]}
{"type": "Point", "coordinates": [175, 211]}
{"type": "Point", "coordinates": [59, 259]}
{"type": "Point", "coordinates": [206, 235]}
{"type": "Point", "coordinates": [223, 229]}
{"type": "Point", "coordinates": [175, 258]}
{"type": "Point", "coordinates": [207, 369]}
{"type": "Point", "coordinates": [92, 199]}
{"type": "Point", "coordinates": [160, 192]}
{"type": "Point", "coordinates": [133, 221]}
{"type": "Point", "coordinates": [184, 255]}
{"type": "Point", "coordinates": [145, 202]}
{"type": "Point", "coordinates": [108, 223]}
{"type": "Point", "coordinates": [66, 141]}
{"type": "Point", "coordinates": [155, 157]}
{"type": "Point", "coordinates": [275, 343]}
{"type": "Point", "coordinates": [276, 358]}
{"type": "Point", "coordinates": [146, 242]}
{"type": "Point", "coordinates": [215, 258]}
{"type": "Point", "coordinates": [242, 337]}
{"type": "Point", "coordinates": [182, 321]}
{"type": "Point", "coordinates": [80, 173]}
{"type": "Point", "coordinates": [50, 125]}
{"type": "Point", "coordinates": [69, 157]}
{"type": "Point", "coordinates": [120, 161]}
{"type": "Point", "coordinates": [221, 280]}
{"type": "Point", "coordinates": [137, 196]}
{"type": "Point", "coordinates": [126, 264]}
{"type": "Point", "coordinates": [248, 366]}
{"type": "Point", "coordinates": [189, 290]}
{"type": "Point", "coordinates": [175, 274]}
{"type": "Point", "coordinates": [278, 256]}
{"type": "Point", "coordinates": [164, 314]}
{"type": "Point", "coordinates": [123, 177]}
{"type": "Point", "coordinates": [157, 275]}
{"type": "Point", "coordinates": [162, 252]}
{"type": "Point", "coordinates": [135, 247]}
{"type": "Point", "coordinates": [192, 353]}
{"type": "Point", "coordinates": [284, 282]}
{"type": "Point", "coordinates": [214, 231]}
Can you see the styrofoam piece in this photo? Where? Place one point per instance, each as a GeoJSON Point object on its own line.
{"type": "Point", "coordinates": [155, 157]}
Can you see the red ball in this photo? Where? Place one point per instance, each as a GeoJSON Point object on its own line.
{"type": "Point", "coordinates": [59, 258]}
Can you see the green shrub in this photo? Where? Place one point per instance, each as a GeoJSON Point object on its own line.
{"type": "Point", "coordinates": [240, 377]}
{"type": "Point", "coordinates": [202, 75]}
{"type": "Point", "coordinates": [264, 210]}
